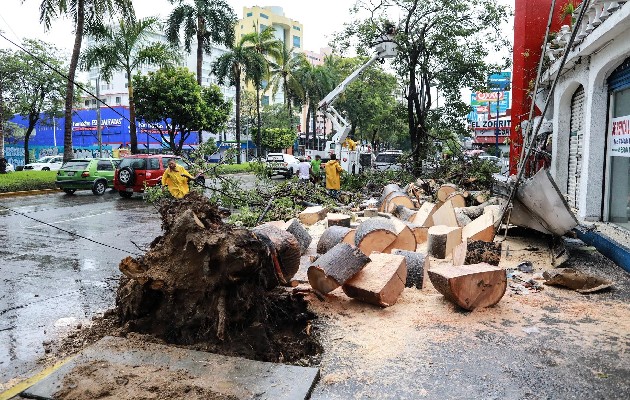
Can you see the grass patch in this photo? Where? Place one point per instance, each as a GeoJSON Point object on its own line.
{"type": "Point", "coordinates": [27, 180]}
{"type": "Point", "coordinates": [233, 168]}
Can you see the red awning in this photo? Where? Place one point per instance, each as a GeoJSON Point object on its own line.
{"type": "Point", "coordinates": [490, 139]}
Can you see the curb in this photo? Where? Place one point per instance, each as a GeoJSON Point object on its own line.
{"type": "Point", "coordinates": [616, 252]}
{"type": "Point", "coordinates": [29, 192]}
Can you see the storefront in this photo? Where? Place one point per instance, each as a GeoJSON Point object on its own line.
{"type": "Point", "coordinates": [618, 188]}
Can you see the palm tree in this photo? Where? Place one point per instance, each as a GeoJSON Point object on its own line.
{"type": "Point", "coordinates": [125, 48]}
{"type": "Point", "coordinates": [317, 82]}
{"type": "Point", "coordinates": [262, 42]}
{"type": "Point", "coordinates": [79, 11]}
{"type": "Point", "coordinates": [232, 67]}
{"type": "Point", "coordinates": [284, 74]}
{"type": "Point", "coordinates": [209, 21]}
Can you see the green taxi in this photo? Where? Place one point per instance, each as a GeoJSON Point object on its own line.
{"type": "Point", "coordinates": [96, 174]}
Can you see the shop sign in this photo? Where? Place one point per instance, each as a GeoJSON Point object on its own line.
{"type": "Point", "coordinates": [620, 137]}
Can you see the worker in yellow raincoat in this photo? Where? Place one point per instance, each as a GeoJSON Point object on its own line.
{"type": "Point", "coordinates": [333, 176]}
{"type": "Point", "coordinates": [176, 179]}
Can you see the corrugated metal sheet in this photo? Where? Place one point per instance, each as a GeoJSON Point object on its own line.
{"type": "Point", "coordinates": [575, 146]}
{"type": "Point", "coordinates": [620, 78]}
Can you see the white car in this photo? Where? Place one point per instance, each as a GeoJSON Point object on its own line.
{"type": "Point", "coordinates": [282, 164]}
{"type": "Point", "coordinates": [388, 161]}
{"type": "Point", "coordinates": [48, 163]}
{"type": "Point", "coordinates": [10, 167]}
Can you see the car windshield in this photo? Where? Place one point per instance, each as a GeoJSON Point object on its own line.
{"type": "Point", "coordinates": [136, 163]}
{"type": "Point", "coordinates": [75, 165]}
{"type": "Point", "coordinates": [387, 158]}
{"type": "Point", "coordinates": [46, 159]}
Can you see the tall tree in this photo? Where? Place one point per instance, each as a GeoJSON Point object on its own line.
{"type": "Point", "coordinates": [232, 68]}
{"type": "Point", "coordinates": [284, 75]}
{"type": "Point", "coordinates": [125, 48]}
{"type": "Point", "coordinates": [79, 11]}
{"type": "Point", "coordinates": [440, 44]}
{"type": "Point", "coordinates": [171, 99]}
{"type": "Point", "coordinates": [317, 82]}
{"type": "Point", "coordinates": [208, 21]}
{"type": "Point", "coordinates": [35, 92]}
{"type": "Point", "coordinates": [262, 42]}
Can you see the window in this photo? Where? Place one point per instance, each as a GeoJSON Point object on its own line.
{"type": "Point", "coordinates": [249, 14]}
{"type": "Point", "coordinates": [126, 85]}
{"type": "Point", "coordinates": [93, 102]}
{"type": "Point", "coordinates": [265, 100]}
{"type": "Point", "coordinates": [297, 28]}
{"type": "Point", "coordinates": [265, 16]}
{"type": "Point", "coordinates": [118, 99]}
{"type": "Point", "coordinates": [263, 27]}
{"type": "Point", "coordinates": [153, 163]}
{"type": "Point", "coordinates": [87, 103]}
{"type": "Point", "coordinates": [104, 166]}
{"type": "Point", "coordinates": [296, 41]}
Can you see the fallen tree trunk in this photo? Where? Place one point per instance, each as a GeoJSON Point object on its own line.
{"type": "Point", "coordinates": [286, 247]}
{"type": "Point", "coordinates": [334, 268]}
{"type": "Point", "coordinates": [375, 234]}
{"type": "Point", "coordinates": [333, 236]}
{"type": "Point", "coordinates": [470, 286]}
{"type": "Point", "coordinates": [387, 191]}
{"type": "Point", "coordinates": [294, 227]}
{"type": "Point", "coordinates": [380, 282]}
{"type": "Point", "coordinates": [445, 190]}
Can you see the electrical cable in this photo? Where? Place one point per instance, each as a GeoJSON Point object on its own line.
{"type": "Point", "coordinates": [69, 232]}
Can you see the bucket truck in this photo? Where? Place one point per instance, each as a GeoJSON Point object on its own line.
{"type": "Point", "coordinates": [346, 150]}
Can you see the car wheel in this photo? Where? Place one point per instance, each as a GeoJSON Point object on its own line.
{"type": "Point", "coordinates": [289, 173]}
{"type": "Point", "coordinates": [126, 175]}
{"type": "Point", "coordinates": [69, 191]}
{"type": "Point", "coordinates": [99, 188]}
{"type": "Point", "coordinates": [45, 169]}
{"type": "Point", "coordinates": [125, 195]}
{"type": "Point", "coordinates": [200, 180]}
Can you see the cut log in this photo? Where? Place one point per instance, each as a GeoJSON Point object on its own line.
{"type": "Point", "coordinates": [470, 286]}
{"type": "Point", "coordinates": [339, 220]}
{"type": "Point", "coordinates": [417, 263]}
{"type": "Point", "coordinates": [397, 199]}
{"type": "Point", "coordinates": [445, 215]}
{"type": "Point", "coordinates": [312, 214]}
{"type": "Point", "coordinates": [476, 252]}
{"type": "Point", "coordinates": [424, 216]}
{"type": "Point", "coordinates": [420, 232]}
{"type": "Point", "coordinates": [471, 212]}
{"type": "Point", "coordinates": [370, 212]}
{"type": "Point", "coordinates": [334, 268]}
{"type": "Point", "coordinates": [495, 211]}
{"type": "Point", "coordinates": [457, 199]}
{"type": "Point", "coordinates": [480, 197]}
{"type": "Point", "coordinates": [445, 190]}
{"type": "Point", "coordinates": [405, 239]}
{"type": "Point", "coordinates": [380, 282]}
{"type": "Point", "coordinates": [387, 191]}
{"type": "Point", "coordinates": [333, 236]}
{"type": "Point", "coordinates": [294, 227]}
{"type": "Point", "coordinates": [404, 213]}
{"type": "Point", "coordinates": [462, 218]}
{"type": "Point", "coordinates": [442, 240]}
{"type": "Point", "coordinates": [287, 248]}
{"type": "Point", "coordinates": [375, 234]}
{"type": "Point", "coordinates": [278, 224]}
{"type": "Point", "coordinates": [481, 228]}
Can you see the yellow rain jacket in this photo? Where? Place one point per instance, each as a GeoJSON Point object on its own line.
{"type": "Point", "coordinates": [177, 181]}
{"type": "Point", "coordinates": [333, 170]}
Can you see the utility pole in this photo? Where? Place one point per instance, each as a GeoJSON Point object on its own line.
{"type": "Point", "coordinates": [98, 117]}
{"type": "Point", "coordinates": [496, 130]}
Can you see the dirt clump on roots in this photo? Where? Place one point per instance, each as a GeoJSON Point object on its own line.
{"type": "Point", "coordinates": [211, 286]}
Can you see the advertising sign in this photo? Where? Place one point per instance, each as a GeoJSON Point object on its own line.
{"type": "Point", "coordinates": [620, 137]}
{"type": "Point", "coordinates": [500, 81]}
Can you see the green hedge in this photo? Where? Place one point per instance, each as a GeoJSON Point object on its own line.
{"type": "Point", "coordinates": [27, 180]}
{"type": "Point", "coordinates": [234, 168]}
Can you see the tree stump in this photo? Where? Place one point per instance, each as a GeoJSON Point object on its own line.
{"type": "Point", "coordinates": [338, 220]}
{"type": "Point", "coordinates": [417, 265]}
{"type": "Point", "coordinates": [380, 282]}
{"type": "Point", "coordinates": [334, 268]}
{"type": "Point", "coordinates": [375, 234]}
{"type": "Point", "coordinates": [312, 215]}
{"type": "Point", "coordinates": [333, 236]}
{"type": "Point", "coordinates": [442, 240]}
{"type": "Point", "coordinates": [470, 286]}
{"type": "Point", "coordinates": [294, 227]}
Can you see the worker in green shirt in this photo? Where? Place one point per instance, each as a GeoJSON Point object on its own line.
{"type": "Point", "coordinates": [316, 168]}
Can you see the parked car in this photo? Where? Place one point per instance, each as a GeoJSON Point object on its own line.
{"type": "Point", "coordinates": [282, 164]}
{"type": "Point", "coordinates": [48, 163]}
{"type": "Point", "coordinates": [388, 160]}
{"type": "Point", "coordinates": [136, 172]}
{"type": "Point", "coordinates": [96, 174]}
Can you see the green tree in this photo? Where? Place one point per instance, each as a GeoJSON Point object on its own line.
{"type": "Point", "coordinates": [317, 82]}
{"type": "Point", "coordinates": [440, 45]}
{"type": "Point", "coordinates": [126, 48]}
{"type": "Point", "coordinates": [231, 68]}
{"type": "Point", "coordinates": [262, 42]}
{"type": "Point", "coordinates": [284, 75]}
{"type": "Point", "coordinates": [277, 139]}
{"type": "Point", "coordinates": [33, 90]}
{"type": "Point", "coordinates": [171, 99]}
{"type": "Point", "coordinates": [79, 11]}
{"type": "Point", "coordinates": [209, 21]}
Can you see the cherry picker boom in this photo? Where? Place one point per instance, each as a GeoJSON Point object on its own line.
{"type": "Point", "coordinates": [347, 154]}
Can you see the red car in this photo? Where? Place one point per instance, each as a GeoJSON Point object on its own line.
{"type": "Point", "coordinates": [136, 172]}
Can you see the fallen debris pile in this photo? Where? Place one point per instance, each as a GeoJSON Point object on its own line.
{"type": "Point", "coordinates": [207, 282]}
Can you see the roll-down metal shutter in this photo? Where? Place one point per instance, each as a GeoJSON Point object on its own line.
{"type": "Point", "coordinates": [575, 146]}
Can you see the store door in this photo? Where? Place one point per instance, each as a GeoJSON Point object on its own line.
{"type": "Point", "coordinates": [575, 146]}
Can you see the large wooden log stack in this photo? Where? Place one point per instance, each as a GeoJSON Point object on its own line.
{"type": "Point", "coordinates": [334, 268]}
{"type": "Point", "coordinates": [333, 236]}
{"type": "Point", "coordinates": [470, 286]}
{"type": "Point", "coordinates": [380, 282]}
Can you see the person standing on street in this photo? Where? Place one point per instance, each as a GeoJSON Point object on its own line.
{"type": "Point", "coordinates": [176, 179]}
{"type": "Point", "coordinates": [316, 168]}
{"type": "Point", "coordinates": [304, 171]}
{"type": "Point", "coordinates": [333, 176]}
